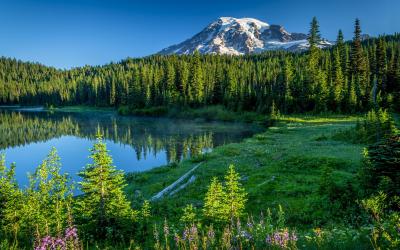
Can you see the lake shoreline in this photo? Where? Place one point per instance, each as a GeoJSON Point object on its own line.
{"type": "Point", "coordinates": [216, 113]}
{"type": "Point", "coordinates": [136, 143]}
{"type": "Point", "coordinates": [206, 113]}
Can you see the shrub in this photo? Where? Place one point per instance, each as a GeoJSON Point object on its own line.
{"type": "Point", "coordinates": [377, 124]}
{"type": "Point", "coordinates": [386, 223]}
{"type": "Point", "coordinates": [381, 168]}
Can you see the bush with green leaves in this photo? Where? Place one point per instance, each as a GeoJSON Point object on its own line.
{"type": "Point", "coordinates": [385, 231]}
{"type": "Point", "coordinates": [381, 169]}
{"type": "Point", "coordinates": [41, 209]}
{"type": "Point", "coordinates": [376, 125]}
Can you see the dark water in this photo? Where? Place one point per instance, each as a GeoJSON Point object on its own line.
{"type": "Point", "coordinates": [135, 143]}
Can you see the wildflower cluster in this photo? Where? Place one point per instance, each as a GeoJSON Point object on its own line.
{"type": "Point", "coordinates": [282, 239]}
{"type": "Point", "coordinates": [70, 240]}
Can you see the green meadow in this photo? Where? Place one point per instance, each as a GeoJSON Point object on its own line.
{"type": "Point", "coordinates": [282, 165]}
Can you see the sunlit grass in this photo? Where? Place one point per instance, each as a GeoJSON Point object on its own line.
{"type": "Point", "coordinates": [279, 166]}
{"type": "Point", "coordinates": [320, 118]}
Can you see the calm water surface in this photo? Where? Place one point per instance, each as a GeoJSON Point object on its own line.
{"type": "Point", "coordinates": [135, 143]}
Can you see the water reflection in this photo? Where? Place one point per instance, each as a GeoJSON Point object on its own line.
{"type": "Point", "coordinates": [136, 143]}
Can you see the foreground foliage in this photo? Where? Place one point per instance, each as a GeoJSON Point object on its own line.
{"type": "Point", "coordinates": [46, 215]}
{"type": "Point", "coordinates": [103, 211]}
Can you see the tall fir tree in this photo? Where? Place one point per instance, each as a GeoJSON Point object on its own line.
{"type": "Point", "coordinates": [393, 80]}
{"type": "Point", "coordinates": [235, 194]}
{"type": "Point", "coordinates": [314, 36]}
{"type": "Point", "coordinates": [43, 208]}
{"type": "Point", "coordinates": [338, 80]}
{"type": "Point", "coordinates": [196, 82]}
{"type": "Point", "coordinates": [381, 70]}
{"type": "Point", "coordinates": [358, 67]}
{"type": "Point", "coordinates": [171, 94]}
{"type": "Point", "coordinates": [316, 77]}
{"type": "Point", "coordinates": [341, 46]}
{"type": "Point", "coordinates": [214, 202]}
{"type": "Point", "coordinates": [103, 210]}
{"type": "Point", "coordinates": [288, 82]}
{"type": "Point", "coordinates": [182, 82]}
{"type": "Point", "coordinates": [8, 193]}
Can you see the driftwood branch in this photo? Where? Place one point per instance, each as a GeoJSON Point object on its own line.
{"type": "Point", "coordinates": [173, 185]}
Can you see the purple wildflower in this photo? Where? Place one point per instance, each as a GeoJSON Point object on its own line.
{"type": "Point", "coordinates": [58, 244]}
{"type": "Point", "coordinates": [281, 239]}
{"type": "Point", "coordinates": [177, 239]}
{"type": "Point", "coordinates": [211, 233]}
{"type": "Point", "coordinates": [294, 237]}
{"type": "Point", "coordinates": [193, 233]}
{"type": "Point", "coordinates": [166, 228]}
{"type": "Point", "coordinates": [268, 240]}
{"type": "Point", "coordinates": [238, 225]}
{"type": "Point", "coordinates": [250, 222]}
{"type": "Point", "coordinates": [185, 234]}
{"type": "Point", "coordinates": [156, 236]}
{"type": "Point", "coordinates": [44, 243]}
{"type": "Point", "coordinates": [246, 235]}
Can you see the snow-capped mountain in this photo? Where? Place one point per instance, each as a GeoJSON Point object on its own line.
{"type": "Point", "coordinates": [238, 36]}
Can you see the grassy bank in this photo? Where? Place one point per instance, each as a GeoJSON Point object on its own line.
{"type": "Point", "coordinates": [283, 165]}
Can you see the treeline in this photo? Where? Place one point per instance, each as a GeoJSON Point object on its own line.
{"type": "Point", "coordinates": [349, 77]}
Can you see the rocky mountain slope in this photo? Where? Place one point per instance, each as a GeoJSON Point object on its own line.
{"type": "Point", "coordinates": [238, 36]}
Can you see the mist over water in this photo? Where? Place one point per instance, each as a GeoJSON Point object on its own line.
{"type": "Point", "coordinates": [135, 143]}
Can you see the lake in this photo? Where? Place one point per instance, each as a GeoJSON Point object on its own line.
{"type": "Point", "coordinates": [135, 143]}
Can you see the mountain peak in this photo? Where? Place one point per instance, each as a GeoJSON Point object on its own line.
{"type": "Point", "coordinates": [238, 36]}
{"type": "Point", "coordinates": [242, 21]}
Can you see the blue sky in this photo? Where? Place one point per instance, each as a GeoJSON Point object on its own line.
{"type": "Point", "coordinates": [72, 33]}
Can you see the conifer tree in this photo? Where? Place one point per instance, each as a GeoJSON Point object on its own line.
{"type": "Point", "coordinates": [352, 96]}
{"type": "Point", "coordinates": [357, 57]}
{"type": "Point", "coordinates": [338, 78]}
{"type": "Point", "coordinates": [316, 78]}
{"type": "Point", "coordinates": [189, 215]}
{"type": "Point", "coordinates": [112, 93]}
{"type": "Point", "coordinates": [314, 36]}
{"type": "Point", "coordinates": [103, 209]}
{"type": "Point", "coordinates": [8, 190]}
{"type": "Point", "coordinates": [288, 81]}
{"type": "Point", "coordinates": [182, 82]}
{"type": "Point", "coordinates": [214, 202]}
{"type": "Point", "coordinates": [231, 88]}
{"type": "Point", "coordinates": [196, 82]}
{"type": "Point", "coordinates": [235, 198]}
{"type": "Point", "coordinates": [381, 68]}
{"type": "Point", "coordinates": [393, 80]}
{"type": "Point", "coordinates": [358, 65]}
{"type": "Point", "coordinates": [42, 209]}
{"type": "Point", "coordinates": [342, 51]}
{"type": "Point", "coordinates": [145, 214]}
{"type": "Point", "coordinates": [171, 94]}
{"type": "Point", "coordinates": [145, 211]}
